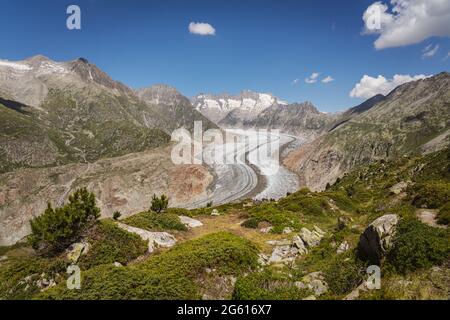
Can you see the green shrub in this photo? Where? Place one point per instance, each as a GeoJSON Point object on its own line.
{"type": "Point", "coordinates": [57, 228]}
{"type": "Point", "coordinates": [170, 275]}
{"type": "Point", "coordinates": [159, 204]}
{"type": "Point", "coordinates": [251, 223]}
{"type": "Point", "coordinates": [153, 221]}
{"type": "Point", "coordinates": [432, 194]}
{"type": "Point", "coordinates": [267, 285]}
{"type": "Point", "coordinates": [417, 246]}
{"type": "Point", "coordinates": [342, 201]}
{"type": "Point", "coordinates": [111, 244]}
{"type": "Point", "coordinates": [344, 274]}
{"type": "Point", "coordinates": [444, 214]}
{"type": "Point", "coordinates": [116, 215]}
{"type": "Point", "coordinates": [277, 217]}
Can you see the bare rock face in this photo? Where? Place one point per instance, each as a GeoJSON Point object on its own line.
{"type": "Point", "coordinates": [377, 238]}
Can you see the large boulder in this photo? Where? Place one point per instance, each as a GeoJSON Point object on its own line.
{"type": "Point", "coordinates": [377, 238]}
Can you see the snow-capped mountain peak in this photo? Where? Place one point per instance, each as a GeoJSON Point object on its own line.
{"type": "Point", "coordinates": [217, 107]}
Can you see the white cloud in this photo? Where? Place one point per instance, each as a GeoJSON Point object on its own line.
{"type": "Point", "coordinates": [369, 86]}
{"type": "Point", "coordinates": [294, 82]}
{"type": "Point", "coordinates": [430, 51]}
{"type": "Point", "coordinates": [312, 78]}
{"type": "Point", "coordinates": [201, 28]}
{"type": "Point", "coordinates": [327, 79]}
{"type": "Point", "coordinates": [407, 21]}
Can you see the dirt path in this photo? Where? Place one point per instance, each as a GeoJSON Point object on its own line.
{"type": "Point", "coordinates": [428, 217]}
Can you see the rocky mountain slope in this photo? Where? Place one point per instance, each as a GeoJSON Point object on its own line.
{"type": "Point", "coordinates": [173, 105]}
{"type": "Point", "coordinates": [300, 119]}
{"type": "Point", "coordinates": [228, 109]}
{"type": "Point", "coordinates": [60, 112]}
{"type": "Point", "coordinates": [415, 115]}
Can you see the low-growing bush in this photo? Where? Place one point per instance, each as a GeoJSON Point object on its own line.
{"type": "Point", "coordinates": [417, 246]}
{"type": "Point", "coordinates": [170, 275]}
{"type": "Point", "coordinates": [251, 223]}
{"type": "Point", "coordinates": [153, 221]}
{"type": "Point", "coordinates": [109, 244]}
{"type": "Point", "coordinates": [267, 285]}
{"type": "Point", "coordinates": [19, 276]}
{"type": "Point", "coordinates": [444, 214]}
{"type": "Point", "coordinates": [275, 216]}
{"type": "Point", "coordinates": [344, 274]}
{"type": "Point", "coordinates": [431, 194]}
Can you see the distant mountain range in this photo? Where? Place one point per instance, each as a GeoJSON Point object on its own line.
{"type": "Point", "coordinates": [53, 113]}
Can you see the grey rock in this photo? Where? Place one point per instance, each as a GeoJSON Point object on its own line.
{"type": "Point", "coordinates": [283, 254]}
{"type": "Point", "coordinates": [155, 239]}
{"type": "Point", "coordinates": [311, 238]}
{"type": "Point", "coordinates": [377, 238]}
{"type": "Point", "coordinates": [399, 187]}
{"type": "Point", "coordinates": [190, 223]}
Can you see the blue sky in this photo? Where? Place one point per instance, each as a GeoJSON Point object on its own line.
{"type": "Point", "coordinates": [259, 45]}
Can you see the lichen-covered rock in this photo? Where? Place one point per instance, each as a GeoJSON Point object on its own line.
{"type": "Point", "coordinates": [311, 238]}
{"type": "Point", "coordinates": [399, 187]}
{"type": "Point", "coordinates": [76, 250]}
{"type": "Point", "coordinates": [377, 238]}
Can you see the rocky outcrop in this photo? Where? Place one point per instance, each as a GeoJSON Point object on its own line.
{"type": "Point", "coordinates": [288, 250]}
{"type": "Point", "coordinates": [311, 238]}
{"type": "Point", "coordinates": [155, 239]}
{"type": "Point", "coordinates": [376, 240]}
